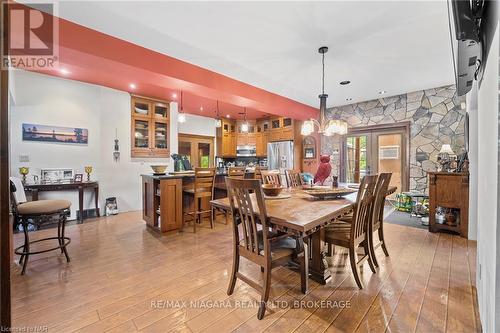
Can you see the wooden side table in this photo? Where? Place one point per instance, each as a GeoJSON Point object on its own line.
{"type": "Point", "coordinates": [71, 186]}
{"type": "Point", "coordinates": [449, 191]}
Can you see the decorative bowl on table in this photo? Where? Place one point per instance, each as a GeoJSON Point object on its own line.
{"type": "Point", "coordinates": [329, 193]}
{"type": "Point", "coordinates": [159, 169]}
{"type": "Point", "coordinates": [272, 190]}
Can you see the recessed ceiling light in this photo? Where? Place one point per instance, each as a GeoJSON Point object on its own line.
{"type": "Point", "coordinates": [382, 92]}
{"type": "Point", "coordinates": [228, 116]}
{"type": "Point", "coordinates": [343, 83]}
{"type": "Point", "coordinates": [64, 71]}
{"type": "Point", "coordinates": [348, 99]}
{"type": "Point", "coordinates": [201, 108]}
{"type": "Point", "coordinates": [174, 95]}
{"type": "Point", "coordinates": [132, 86]}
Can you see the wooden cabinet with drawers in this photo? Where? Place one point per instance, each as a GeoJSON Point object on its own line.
{"type": "Point", "coordinates": [449, 199]}
{"type": "Point", "coordinates": [150, 133]}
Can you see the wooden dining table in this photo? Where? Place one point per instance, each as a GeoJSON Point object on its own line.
{"type": "Point", "coordinates": [305, 216]}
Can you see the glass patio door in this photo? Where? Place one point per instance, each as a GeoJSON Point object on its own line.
{"type": "Point", "coordinates": [372, 151]}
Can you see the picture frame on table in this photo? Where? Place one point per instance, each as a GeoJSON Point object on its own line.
{"type": "Point", "coordinates": [78, 177]}
{"type": "Point", "coordinates": [56, 175]}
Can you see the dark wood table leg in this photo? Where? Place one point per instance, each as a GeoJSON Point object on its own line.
{"type": "Point", "coordinates": [304, 284]}
{"type": "Point", "coordinates": [80, 203]}
{"type": "Point", "coordinates": [318, 266]}
{"type": "Point", "coordinates": [96, 196]}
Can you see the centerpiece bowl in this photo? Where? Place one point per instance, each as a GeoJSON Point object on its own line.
{"type": "Point", "coordinates": [272, 190]}
{"type": "Point", "coordinates": [159, 169]}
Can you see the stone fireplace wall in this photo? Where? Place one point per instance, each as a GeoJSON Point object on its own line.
{"type": "Point", "coordinates": [436, 116]}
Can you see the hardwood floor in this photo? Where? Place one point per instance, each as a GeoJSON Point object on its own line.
{"type": "Point", "coordinates": [122, 277]}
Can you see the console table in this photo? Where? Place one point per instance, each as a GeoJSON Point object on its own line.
{"type": "Point", "coordinates": [72, 186]}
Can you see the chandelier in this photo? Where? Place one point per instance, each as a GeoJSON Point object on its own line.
{"type": "Point", "coordinates": [325, 127]}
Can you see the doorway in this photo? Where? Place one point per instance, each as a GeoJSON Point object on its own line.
{"type": "Point", "coordinates": [376, 149]}
{"type": "Point", "coordinates": [198, 149]}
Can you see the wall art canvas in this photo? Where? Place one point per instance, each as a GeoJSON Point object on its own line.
{"type": "Point", "coordinates": [47, 133]}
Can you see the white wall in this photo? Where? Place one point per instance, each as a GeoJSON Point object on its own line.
{"type": "Point", "coordinates": [488, 231]}
{"type": "Point", "coordinates": [198, 125]}
{"type": "Point", "coordinates": [473, 160]}
{"type": "Point", "coordinates": [42, 99]}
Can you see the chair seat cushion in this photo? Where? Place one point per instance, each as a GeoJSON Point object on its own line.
{"type": "Point", "coordinates": [338, 234]}
{"type": "Point", "coordinates": [282, 248]}
{"type": "Point", "coordinates": [41, 207]}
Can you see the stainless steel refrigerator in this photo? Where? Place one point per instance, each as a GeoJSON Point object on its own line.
{"type": "Point", "coordinates": [280, 155]}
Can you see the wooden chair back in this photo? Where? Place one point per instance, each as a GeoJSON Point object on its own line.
{"type": "Point", "coordinates": [363, 210]}
{"type": "Point", "coordinates": [293, 178]}
{"type": "Point", "coordinates": [271, 177]}
{"type": "Point", "coordinates": [236, 172]}
{"type": "Point", "coordinates": [380, 193]}
{"type": "Point", "coordinates": [244, 217]}
{"type": "Point", "coordinates": [258, 173]}
{"type": "Point", "coordinates": [204, 179]}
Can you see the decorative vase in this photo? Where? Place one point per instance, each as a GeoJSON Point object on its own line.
{"type": "Point", "coordinates": [88, 171]}
{"type": "Point", "coordinates": [24, 172]}
{"type": "Point", "coordinates": [335, 181]}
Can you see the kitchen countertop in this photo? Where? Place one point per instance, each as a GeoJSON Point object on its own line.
{"type": "Point", "coordinates": [185, 175]}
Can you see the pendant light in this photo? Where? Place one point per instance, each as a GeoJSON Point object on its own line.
{"type": "Point", "coordinates": [218, 121]}
{"type": "Point", "coordinates": [325, 127]}
{"type": "Point", "coordinates": [181, 117]}
{"type": "Point", "coordinates": [244, 126]}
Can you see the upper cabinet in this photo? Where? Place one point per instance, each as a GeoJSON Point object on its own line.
{"type": "Point", "coordinates": [150, 127]}
{"type": "Point", "coordinates": [282, 129]}
{"type": "Point", "coordinates": [226, 139]}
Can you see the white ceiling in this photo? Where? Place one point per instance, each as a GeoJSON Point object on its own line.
{"type": "Point", "coordinates": [398, 46]}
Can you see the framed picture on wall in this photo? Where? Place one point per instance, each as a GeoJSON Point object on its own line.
{"type": "Point", "coordinates": [55, 134]}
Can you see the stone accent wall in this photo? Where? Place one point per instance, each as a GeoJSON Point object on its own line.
{"type": "Point", "coordinates": [436, 118]}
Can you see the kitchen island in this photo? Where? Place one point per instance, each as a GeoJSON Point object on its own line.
{"type": "Point", "coordinates": [164, 201]}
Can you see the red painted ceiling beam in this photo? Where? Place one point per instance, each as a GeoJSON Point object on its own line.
{"type": "Point", "coordinates": [95, 57]}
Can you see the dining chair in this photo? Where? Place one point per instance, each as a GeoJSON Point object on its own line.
{"type": "Point", "coordinates": [293, 178]}
{"type": "Point", "coordinates": [258, 245]}
{"type": "Point", "coordinates": [271, 177]}
{"type": "Point", "coordinates": [26, 212]}
{"type": "Point", "coordinates": [355, 234]}
{"type": "Point", "coordinates": [204, 179]}
{"type": "Point", "coordinates": [380, 195]}
{"type": "Point", "coordinates": [377, 224]}
{"type": "Point", "coordinates": [236, 172]}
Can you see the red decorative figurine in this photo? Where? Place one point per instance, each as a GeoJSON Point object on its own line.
{"type": "Point", "coordinates": [324, 170]}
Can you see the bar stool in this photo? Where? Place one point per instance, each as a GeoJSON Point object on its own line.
{"type": "Point", "coordinates": [204, 179]}
{"type": "Point", "coordinates": [24, 211]}
{"type": "Point", "coordinates": [236, 172]}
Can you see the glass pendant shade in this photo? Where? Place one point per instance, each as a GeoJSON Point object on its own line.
{"type": "Point", "coordinates": [181, 118]}
{"type": "Point", "coordinates": [244, 127]}
{"type": "Point", "coordinates": [307, 127]}
{"type": "Point", "coordinates": [218, 123]}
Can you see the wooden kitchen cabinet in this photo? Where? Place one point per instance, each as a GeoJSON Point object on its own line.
{"type": "Point", "coordinates": [261, 137]}
{"type": "Point", "coordinates": [150, 133]}
{"type": "Point", "coordinates": [246, 138]}
{"type": "Point", "coordinates": [226, 139]}
{"type": "Point", "coordinates": [162, 203]}
{"type": "Point", "coordinates": [281, 129]}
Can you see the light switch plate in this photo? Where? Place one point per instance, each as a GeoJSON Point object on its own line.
{"type": "Point", "coordinates": [24, 158]}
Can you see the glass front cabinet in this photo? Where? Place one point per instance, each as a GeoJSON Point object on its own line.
{"type": "Point", "coordinates": [150, 128]}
